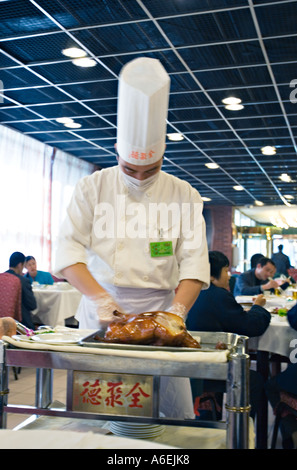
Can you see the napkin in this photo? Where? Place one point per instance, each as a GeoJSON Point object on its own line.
{"type": "Point", "coordinates": [219, 356]}
{"type": "Point", "coordinates": [39, 439]}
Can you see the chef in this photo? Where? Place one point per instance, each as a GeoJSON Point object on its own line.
{"type": "Point", "coordinates": [134, 236]}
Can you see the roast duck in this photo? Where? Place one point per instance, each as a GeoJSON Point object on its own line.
{"type": "Point", "coordinates": [149, 328]}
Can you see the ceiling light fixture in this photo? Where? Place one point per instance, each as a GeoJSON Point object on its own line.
{"type": "Point", "coordinates": [84, 62]}
{"type": "Point", "coordinates": [234, 107]}
{"type": "Point", "coordinates": [175, 136]}
{"type": "Point", "coordinates": [231, 100]}
{"type": "Point", "coordinates": [64, 120]}
{"type": "Point", "coordinates": [212, 166]}
{"type": "Point", "coordinates": [285, 177]}
{"type": "Point", "coordinates": [277, 222]}
{"type": "Point", "coordinates": [268, 150]}
{"type": "Point", "coordinates": [288, 196]}
{"type": "Point", "coordinates": [74, 52]}
{"type": "Point", "coordinates": [259, 203]}
{"type": "Point", "coordinates": [72, 125]}
{"type": "Point", "coordinates": [206, 199]}
{"type": "Point", "coordinates": [284, 221]}
{"type": "Point", "coordinates": [238, 188]}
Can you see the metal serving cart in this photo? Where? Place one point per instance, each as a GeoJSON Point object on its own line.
{"type": "Point", "coordinates": [234, 371]}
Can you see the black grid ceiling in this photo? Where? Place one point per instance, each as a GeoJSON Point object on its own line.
{"type": "Point", "coordinates": [211, 49]}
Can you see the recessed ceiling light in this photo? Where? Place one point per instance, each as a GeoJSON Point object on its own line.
{"type": "Point", "coordinates": [234, 107]}
{"type": "Point", "coordinates": [175, 136]}
{"type": "Point", "coordinates": [231, 100]}
{"type": "Point", "coordinates": [259, 203]}
{"type": "Point", "coordinates": [213, 166]}
{"type": "Point", "coordinates": [74, 52]}
{"type": "Point", "coordinates": [268, 150]}
{"type": "Point", "coordinates": [288, 196]}
{"type": "Point", "coordinates": [73, 125]}
{"type": "Point", "coordinates": [206, 199]}
{"type": "Point", "coordinates": [64, 120]}
{"type": "Point", "coordinates": [285, 177]}
{"type": "Point", "coordinates": [84, 62]}
{"type": "Point", "coordinates": [238, 188]}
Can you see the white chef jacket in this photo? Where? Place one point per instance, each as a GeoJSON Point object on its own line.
{"type": "Point", "coordinates": [109, 226]}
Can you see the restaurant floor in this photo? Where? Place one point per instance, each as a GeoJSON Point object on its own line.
{"type": "Point", "coordinates": [22, 391]}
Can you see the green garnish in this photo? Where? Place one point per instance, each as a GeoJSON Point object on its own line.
{"type": "Point", "coordinates": [282, 312]}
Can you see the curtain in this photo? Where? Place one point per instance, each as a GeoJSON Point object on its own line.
{"type": "Point", "coordinates": [36, 183]}
{"type": "Point", "coordinates": [67, 170]}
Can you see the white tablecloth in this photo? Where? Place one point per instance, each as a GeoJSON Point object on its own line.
{"type": "Point", "coordinates": [174, 437]}
{"type": "Point", "coordinates": [272, 301]}
{"type": "Point", "coordinates": [217, 356]}
{"type": "Point", "coordinates": [41, 439]}
{"type": "Point", "coordinates": [277, 337]}
{"type": "Point", "coordinates": [55, 303]}
{"type": "Point", "coordinates": [279, 334]}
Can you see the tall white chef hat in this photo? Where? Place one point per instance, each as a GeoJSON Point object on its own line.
{"type": "Point", "coordinates": [142, 111]}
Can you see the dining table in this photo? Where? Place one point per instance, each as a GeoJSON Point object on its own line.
{"type": "Point", "coordinates": [55, 303]}
{"type": "Point", "coordinates": [275, 346]}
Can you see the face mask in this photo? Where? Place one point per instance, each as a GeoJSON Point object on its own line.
{"type": "Point", "coordinates": [139, 185]}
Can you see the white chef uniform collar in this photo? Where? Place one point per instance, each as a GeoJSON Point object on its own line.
{"type": "Point", "coordinates": [142, 111]}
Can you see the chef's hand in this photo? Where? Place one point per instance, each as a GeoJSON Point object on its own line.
{"type": "Point", "coordinates": [105, 306]}
{"type": "Point", "coordinates": [178, 309]}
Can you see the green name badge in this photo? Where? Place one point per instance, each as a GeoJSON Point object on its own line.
{"type": "Point", "coordinates": [161, 249]}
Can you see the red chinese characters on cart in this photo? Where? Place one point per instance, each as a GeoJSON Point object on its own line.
{"type": "Point", "coordinates": [91, 394]}
{"type": "Point", "coordinates": [107, 393]}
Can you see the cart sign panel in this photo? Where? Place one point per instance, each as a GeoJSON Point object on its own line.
{"type": "Point", "coordinates": [118, 394]}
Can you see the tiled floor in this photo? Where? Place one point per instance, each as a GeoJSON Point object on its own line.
{"type": "Point", "coordinates": [22, 391]}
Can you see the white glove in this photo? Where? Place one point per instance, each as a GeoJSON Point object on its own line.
{"type": "Point", "coordinates": [178, 309]}
{"type": "Point", "coordinates": [105, 306]}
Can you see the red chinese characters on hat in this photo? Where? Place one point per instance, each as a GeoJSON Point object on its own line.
{"type": "Point", "coordinates": [141, 155]}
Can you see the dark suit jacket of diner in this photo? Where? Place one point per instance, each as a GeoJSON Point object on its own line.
{"type": "Point", "coordinates": [248, 284]}
{"type": "Point", "coordinates": [28, 300]}
{"type": "Point", "coordinates": [217, 310]}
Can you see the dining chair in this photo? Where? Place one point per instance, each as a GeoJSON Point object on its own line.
{"type": "Point", "coordinates": [11, 301]}
{"type": "Point", "coordinates": [232, 282]}
{"type": "Point", "coordinates": [293, 273]}
{"type": "Point", "coordinates": [208, 407]}
{"type": "Point", "coordinates": [207, 404]}
{"type": "Point", "coordinates": [10, 296]}
{"type": "Point", "coordinates": [286, 406]}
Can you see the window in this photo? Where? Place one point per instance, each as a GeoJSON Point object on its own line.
{"type": "Point", "coordinates": [33, 199]}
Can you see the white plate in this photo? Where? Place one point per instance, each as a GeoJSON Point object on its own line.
{"type": "Point", "coordinates": [21, 338]}
{"type": "Point", "coordinates": [134, 432]}
{"type": "Point", "coordinates": [56, 338]}
{"type": "Point", "coordinates": [246, 299]}
{"type": "Point", "coordinates": [135, 426]}
{"type": "Point", "coordinates": [128, 429]}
